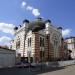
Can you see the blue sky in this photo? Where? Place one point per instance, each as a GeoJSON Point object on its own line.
{"type": "Point", "coordinates": [13, 12]}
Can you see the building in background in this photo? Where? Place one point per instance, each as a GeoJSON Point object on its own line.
{"type": "Point", "coordinates": [71, 46]}
{"type": "Point", "coordinates": [65, 54]}
{"type": "Point", "coordinates": [7, 57]}
{"type": "Point", "coordinates": [39, 40]}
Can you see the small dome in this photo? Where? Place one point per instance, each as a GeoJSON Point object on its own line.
{"type": "Point", "coordinates": [15, 28]}
{"type": "Point", "coordinates": [20, 26]}
{"type": "Point", "coordinates": [25, 21]}
{"type": "Point", "coordinates": [48, 21]}
{"type": "Point", "coordinates": [37, 25]}
{"type": "Point", "coordinates": [59, 28]}
{"type": "Point", "coordinates": [39, 18]}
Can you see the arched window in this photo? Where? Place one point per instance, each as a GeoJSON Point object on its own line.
{"type": "Point", "coordinates": [41, 42]}
{"type": "Point", "coordinates": [55, 43]}
{"type": "Point", "coordinates": [18, 43]}
{"type": "Point", "coordinates": [29, 42]}
{"type": "Point", "coordinates": [55, 40]}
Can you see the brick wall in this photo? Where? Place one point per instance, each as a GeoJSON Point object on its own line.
{"type": "Point", "coordinates": [47, 48]}
{"type": "Point", "coordinates": [62, 50]}
{"type": "Point", "coordinates": [37, 47]}
{"type": "Point", "coordinates": [49, 52]}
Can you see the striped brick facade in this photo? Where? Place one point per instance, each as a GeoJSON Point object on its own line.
{"type": "Point", "coordinates": [63, 50]}
{"type": "Point", "coordinates": [51, 52]}
{"type": "Point", "coordinates": [47, 48]}
{"type": "Point", "coordinates": [37, 47]}
{"type": "Point", "coordinates": [49, 33]}
{"type": "Point", "coordinates": [35, 54]}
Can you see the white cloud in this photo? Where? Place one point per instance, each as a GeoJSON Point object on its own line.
{"type": "Point", "coordinates": [23, 4]}
{"type": "Point", "coordinates": [35, 12]}
{"type": "Point", "coordinates": [5, 40]}
{"type": "Point", "coordinates": [29, 8]}
{"type": "Point", "coordinates": [66, 32]}
{"type": "Point", "coordinates": [7, 28]}
{"type": "Point", "coordinates": [32, 9]}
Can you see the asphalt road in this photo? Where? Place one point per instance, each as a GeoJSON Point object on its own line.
{"type": "Point", "coordinates": [70, 70]}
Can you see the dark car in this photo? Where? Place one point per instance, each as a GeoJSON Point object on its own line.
{"type": "Point", "coordinates": [22, 64]}
{"type": "Point", "coordinates": [34, 65]}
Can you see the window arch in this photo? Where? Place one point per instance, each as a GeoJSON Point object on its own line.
{"type": "Point", "coordinates": [55, 40]}
{"type": "Point", "coordinates": [18, 43]}
{"type": "Point", "coordinates": [29, 42]}
{"type": "Point", "coordinates": [41, 42]}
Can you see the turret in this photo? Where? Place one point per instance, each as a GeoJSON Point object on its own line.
{"type": "Point", "coordinates": [25, 23]}
{"type": "Point", "coordinates": [15, 28]}
{"type": "Point", "coordinates": [47, 25]}
{"type": "Point", "coordinates": [19, 26]}
{"type": "Point", "coordinates": [60, 29]}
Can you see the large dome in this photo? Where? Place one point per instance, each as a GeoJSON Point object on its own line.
{"type": "Point", "coordinates": [37, 25]}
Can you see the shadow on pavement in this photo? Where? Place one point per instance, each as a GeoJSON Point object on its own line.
{"type": "Point", "coordinates": [27, 71]}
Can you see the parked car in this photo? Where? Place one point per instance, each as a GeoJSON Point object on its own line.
{"type": "Point", "coordinates": [35, 64]}
{"type": "Point", "coordinates": [22, 64]}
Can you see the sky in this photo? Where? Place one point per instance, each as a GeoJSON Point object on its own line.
{"type": "Point", "coordinates": [13, 12]}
